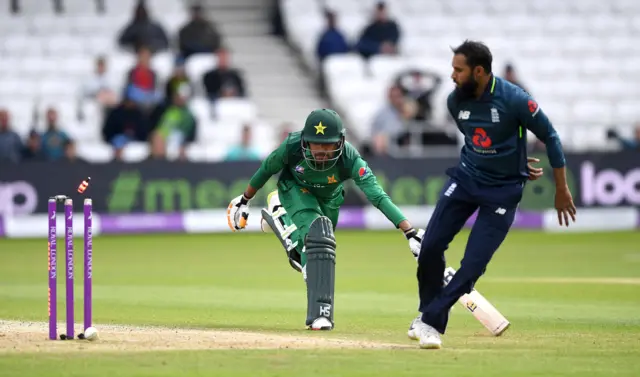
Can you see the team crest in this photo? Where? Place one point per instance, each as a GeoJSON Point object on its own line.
{"type": "Point", "coordinates": [363, 172]}
{"type": "Point", "coordinates": [299, 169]}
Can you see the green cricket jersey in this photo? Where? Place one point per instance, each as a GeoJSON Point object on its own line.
{"type": "Point", "coordinates": [325, 185]}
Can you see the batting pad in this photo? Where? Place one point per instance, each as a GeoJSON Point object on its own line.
{"type": "Point", "coordinates": [320, 247]}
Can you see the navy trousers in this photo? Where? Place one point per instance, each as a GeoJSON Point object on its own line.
{"type": "Point", "coordinates": [459, 199]}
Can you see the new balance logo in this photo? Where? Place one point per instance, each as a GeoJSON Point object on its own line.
{"type": "Point", "coordinates": [451, 189]}
{"type": "Point", "coordinates": [463, 114]}
{"type": "Point", "coordinates": [495, 116]}
{"type": "Point", "coordinates": [501, 211]}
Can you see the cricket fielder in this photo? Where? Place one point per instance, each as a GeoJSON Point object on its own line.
{"type": "Point", "coordinates": [303, 211]}
{"type": "Point", "coordinates": [494, 116]}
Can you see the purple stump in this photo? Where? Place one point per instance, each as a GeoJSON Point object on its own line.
{"type": "Point", "coordinates": [68, 238]}
{"type": "Point", "coordinates": [52, 270]}
{"type": "Point", "coordinates": [88, 261]}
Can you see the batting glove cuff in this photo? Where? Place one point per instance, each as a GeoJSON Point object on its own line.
{"type": "Point", "coordinates": [410, 233]}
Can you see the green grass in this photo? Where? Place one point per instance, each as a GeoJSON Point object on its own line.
{"type": "Point", "coordinates": [243, 281]}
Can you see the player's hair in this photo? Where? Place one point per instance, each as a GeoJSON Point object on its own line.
{"type": "Point", "coordinates": [477, 54]}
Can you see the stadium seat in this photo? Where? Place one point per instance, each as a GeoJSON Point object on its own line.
{"type": "Point", "coordinates": [235, 110]}
{"type": "Point", "coordinates": [201, 108]}
{"type": "Point", "coordinates": [197, 65]}
{"type": "Point", "coordinates": [626, 110]}
{"type": "Point", "coordinates": [344, 65]}
{"type": "Point", "coordinates": [197, 152]}
{"type": "Point", "coordinates": [135, 152]}
{"type": "Point", "coordinates": [163, 64]}
{"type": "Point", "coordinates": [96, 152]}
{"type": "Point", "coordinates": [82, 132]}
{"type": "Point", "coordinates": [588, 110]}
{"type": "Point", "coordinates": [360, 116]}
{"type": "Point", "coordinates": [386, 68]}
{"type": "Point", "coordinates": [349, 91]}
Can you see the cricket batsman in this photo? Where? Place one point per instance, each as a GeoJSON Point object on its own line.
{"type": "Point", "coordinates": [494, 116]}
{"type": "Point", "coordinates": [303, 211]}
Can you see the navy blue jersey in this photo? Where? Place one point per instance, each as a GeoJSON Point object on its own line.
{"type": "Point", "coordinates": [495, 133]}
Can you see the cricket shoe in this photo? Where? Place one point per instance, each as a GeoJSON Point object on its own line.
{"type": "Point", "coordinates": [321, 323]}
{"type": "Point", "coordinates": [429, 336]}
{"type": "Point", "coordinates": [413, 333]}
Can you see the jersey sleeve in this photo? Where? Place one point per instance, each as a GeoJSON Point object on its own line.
{"type": "Point", "coordinates": [535, 120]}
{"type": "Point", "coordinates": [367, 182]}
{"type": "Point", "coordinates": [271, 165]}
{"type": "Point", "coordinates": [451, 106]}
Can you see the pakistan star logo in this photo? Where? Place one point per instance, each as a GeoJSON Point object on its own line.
{"type": "Point", "coordinates": [332, 179]}
{"type": "Point", "coordinates": [320, 128]}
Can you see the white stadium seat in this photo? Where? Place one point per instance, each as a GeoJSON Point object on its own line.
{"type": "Point", "coordinates": [96, 152]}
{"type": "Point", "coordinates": [344, 65]}
{"type": "Point", "coordinates": [235, 109]}
{"type": "Point", "coordinates": [386, 68]}
{"type": "Point", "coordinates": [135, 152]}
{"type": "Point", "coordinates": [198, 65]}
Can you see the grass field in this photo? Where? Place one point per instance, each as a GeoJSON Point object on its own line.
{"type": "Point", "coordinates": [573, 300]}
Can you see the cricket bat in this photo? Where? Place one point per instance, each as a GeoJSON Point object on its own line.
{"type": "Point", "coordinates": [482, 309]}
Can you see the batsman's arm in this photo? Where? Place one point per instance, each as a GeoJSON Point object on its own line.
{"type": "Point", "coordinates": [367, 182]}
{"type": "Point", "coordinates": [270, 166]}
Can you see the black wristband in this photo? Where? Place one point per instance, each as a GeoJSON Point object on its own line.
{"type": "Point", "coordinates": [410, 233]}
{"type": "Point", "coordinates": [244, 200]}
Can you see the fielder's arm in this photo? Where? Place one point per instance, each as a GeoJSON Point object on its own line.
{"type": "Point", "coordinates": [367, 182]}
{"type": "Point", "coordinates": [536, 121]}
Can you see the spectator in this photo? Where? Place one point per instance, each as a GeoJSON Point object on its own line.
{"type": "Point", "coordinates": [178, 78]}
{"type": "Point", "coordinates": [244, 151]}
{"type": "Point", "coordinates": [199, 35]}
{"type": "Point", "coordinates": [124, 124]}
{"type": "Point", "coordinates": [381, 36]}
{"type": "Point", "coordinates": [54, 138]}
{"type": "Point", "coordinates": [629, 144]}
{"type": "Point", "coordinates": [176, 128]}
{"type": "Point", "coordinates": [33, 149]}
{"type": "Point", "coordinates": [332, 40]}
{"type": "Point", "coordinates": [99, 87]}
{"type": "Point", "coordinates": [389, 123]}
{"type": "Point", "coordinates": [10, 143]}
{"type": "Point", "coordinates": [70, 152]}
{"type": "Point", "coordinates": [223, 81]}
{"type": "Point", "coordinates": [419, 86]}
{"type": "Point", "coordinates": [142, 30]}
{"type": "Point", "coordinates": [142, 81]}
{"type": "Point", "coordinates": [510, 75]}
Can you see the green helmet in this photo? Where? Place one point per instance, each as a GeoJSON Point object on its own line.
{"type": "Point", "coordinates": [323, 126]}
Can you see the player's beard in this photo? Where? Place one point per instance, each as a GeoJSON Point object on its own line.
{"type": "Point", "coordinates": [467, 89]}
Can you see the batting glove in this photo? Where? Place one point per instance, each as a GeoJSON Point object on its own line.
{"type": "Point", "coordinates": [238, 213]}
{"type": "Point", "coordinates": [415, 241]}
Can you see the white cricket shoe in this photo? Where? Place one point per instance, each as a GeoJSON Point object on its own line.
{"type": "Point", "coordinates": [429, 337]}
{"type": "Point", "coordinates": [413, 333]}
{"type": "Point", "coordinates": [321, 323]}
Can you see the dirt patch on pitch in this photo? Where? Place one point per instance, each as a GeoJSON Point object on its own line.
{"type": "Point", "coordinates": [33, 337]}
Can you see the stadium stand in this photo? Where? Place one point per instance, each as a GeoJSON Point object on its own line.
{"type": "Point", "coordinates": [49, 55]}
{"type": "Point", "coordinates": [578, 58]}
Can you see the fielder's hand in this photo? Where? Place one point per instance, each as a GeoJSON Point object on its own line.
{"type": "Point", "coordinates": [238, 213]}
{"type": "Point", "coordinates": [415, 241]}
{"type": "Point", "coordinates": [534, 173]}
